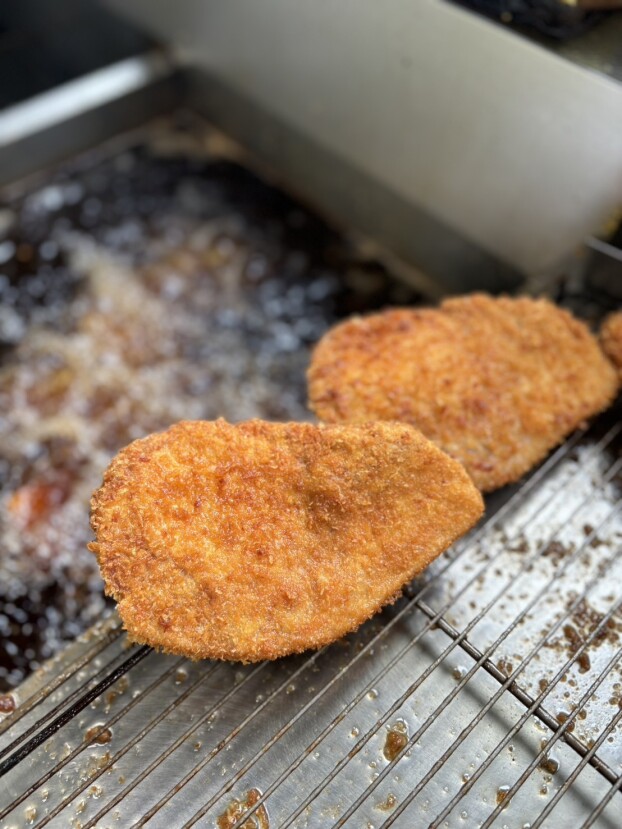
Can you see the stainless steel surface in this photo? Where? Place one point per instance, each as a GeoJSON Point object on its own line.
{"type": "Point", "coordinates": [402, 232]}
{"type": "Point", "coordinates": [56, 124]}
{"type": "Point", "coordinates": [507, 716]}
{"type": "Point", "coordinates": [514, 148]}
{"type": "Point", "coordinates": [74, 98]}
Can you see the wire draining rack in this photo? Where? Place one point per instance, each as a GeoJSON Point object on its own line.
{"type": "Point", "coordinates": [489, 695]}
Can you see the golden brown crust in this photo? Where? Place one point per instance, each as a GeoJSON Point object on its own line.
{"type": "Point", "coordinates": [496, 383]}
{"type": "Point", "coordinates": [254, 541]}
{"type": "Point", "coordinates": [611, 340]}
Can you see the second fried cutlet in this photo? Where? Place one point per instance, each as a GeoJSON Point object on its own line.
{"type": "Point", "coordinates": [495, 382]}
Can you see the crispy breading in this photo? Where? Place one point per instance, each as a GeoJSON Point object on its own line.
{"type": "Point", "coordinates": [611, 340]}
{"type": "Point", "coordinates": [252, 541]}
{"type": "Point", "coordinates": [496, 383]}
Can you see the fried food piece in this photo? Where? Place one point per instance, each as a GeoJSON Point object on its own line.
{"type": "Point", "coordinates": [253, 541]}
{"type": "Point", "coordinates": [496, 383]}
{"type": "Point", "coordinates": [611, 340]}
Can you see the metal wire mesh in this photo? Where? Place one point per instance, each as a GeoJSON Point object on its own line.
{"type": "Point", "coordinates": [474, 665]}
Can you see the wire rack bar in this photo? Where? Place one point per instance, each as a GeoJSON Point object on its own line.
{"type": "Point", "coordinates": [70, 713]}
{"type": "Point", "coordinates": [221, 745]}
{"type": "Point", "coordinates": [106, 671]}
{"type": "Point", "coordinates": [560, 730]}
{"type": "Point", "coordinates": [107, 725]}
{"type": "Point", "coordinates": [610, 435]}
{"type": "Point", "coordinates": [160, 717]}
{"type": "Point", "coordinates": [595, 814]}
{"type": "Point", "coordinates": [42, 694]}
{"type": "Point", "coordinates": [572, 777]}
{"type": "Point", "coordinates": [482, 661]}
{"type": "Point", "coordinates": [436, 618]}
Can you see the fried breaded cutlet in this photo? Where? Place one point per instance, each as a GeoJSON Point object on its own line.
{"type": "Point", "coordinates": [496, 383]}
{"type": "Point", "coordinates": [611, 340]}
{"type": "Point", "coordinates": [253, 541]}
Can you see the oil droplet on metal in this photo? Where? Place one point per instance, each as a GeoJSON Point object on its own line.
{"type": "Point", "coordinates": [502, 793]}
{"type": "Point", "coordinates": [355, 732]}
{"type": "Point", "coordinates": [388, 804]}
{"type": "Point", "coordinates": [396, 741]}
{"type": "Point", "coordinates": [30, 814]}
{"type": "Point", "coordinates": [549, 765]}
{"type": "Point", "coordinates": [7, 704]}
{"type": "Point", "coordinates": [372, 693]}
{"type": "Point", "coordinates": [96, 735]}
{"type": "Point", "coordinates": [181, 676]}
{"type": "Point", "coordinates": [238, 808]}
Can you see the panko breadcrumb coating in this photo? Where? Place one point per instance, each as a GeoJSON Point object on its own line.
{"type": "Point", "coordinates": [611, 340]}
{"type": "Point", "coordinates": [253, 541]}
{"type": "Point", "coordinates": [496, 383]}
